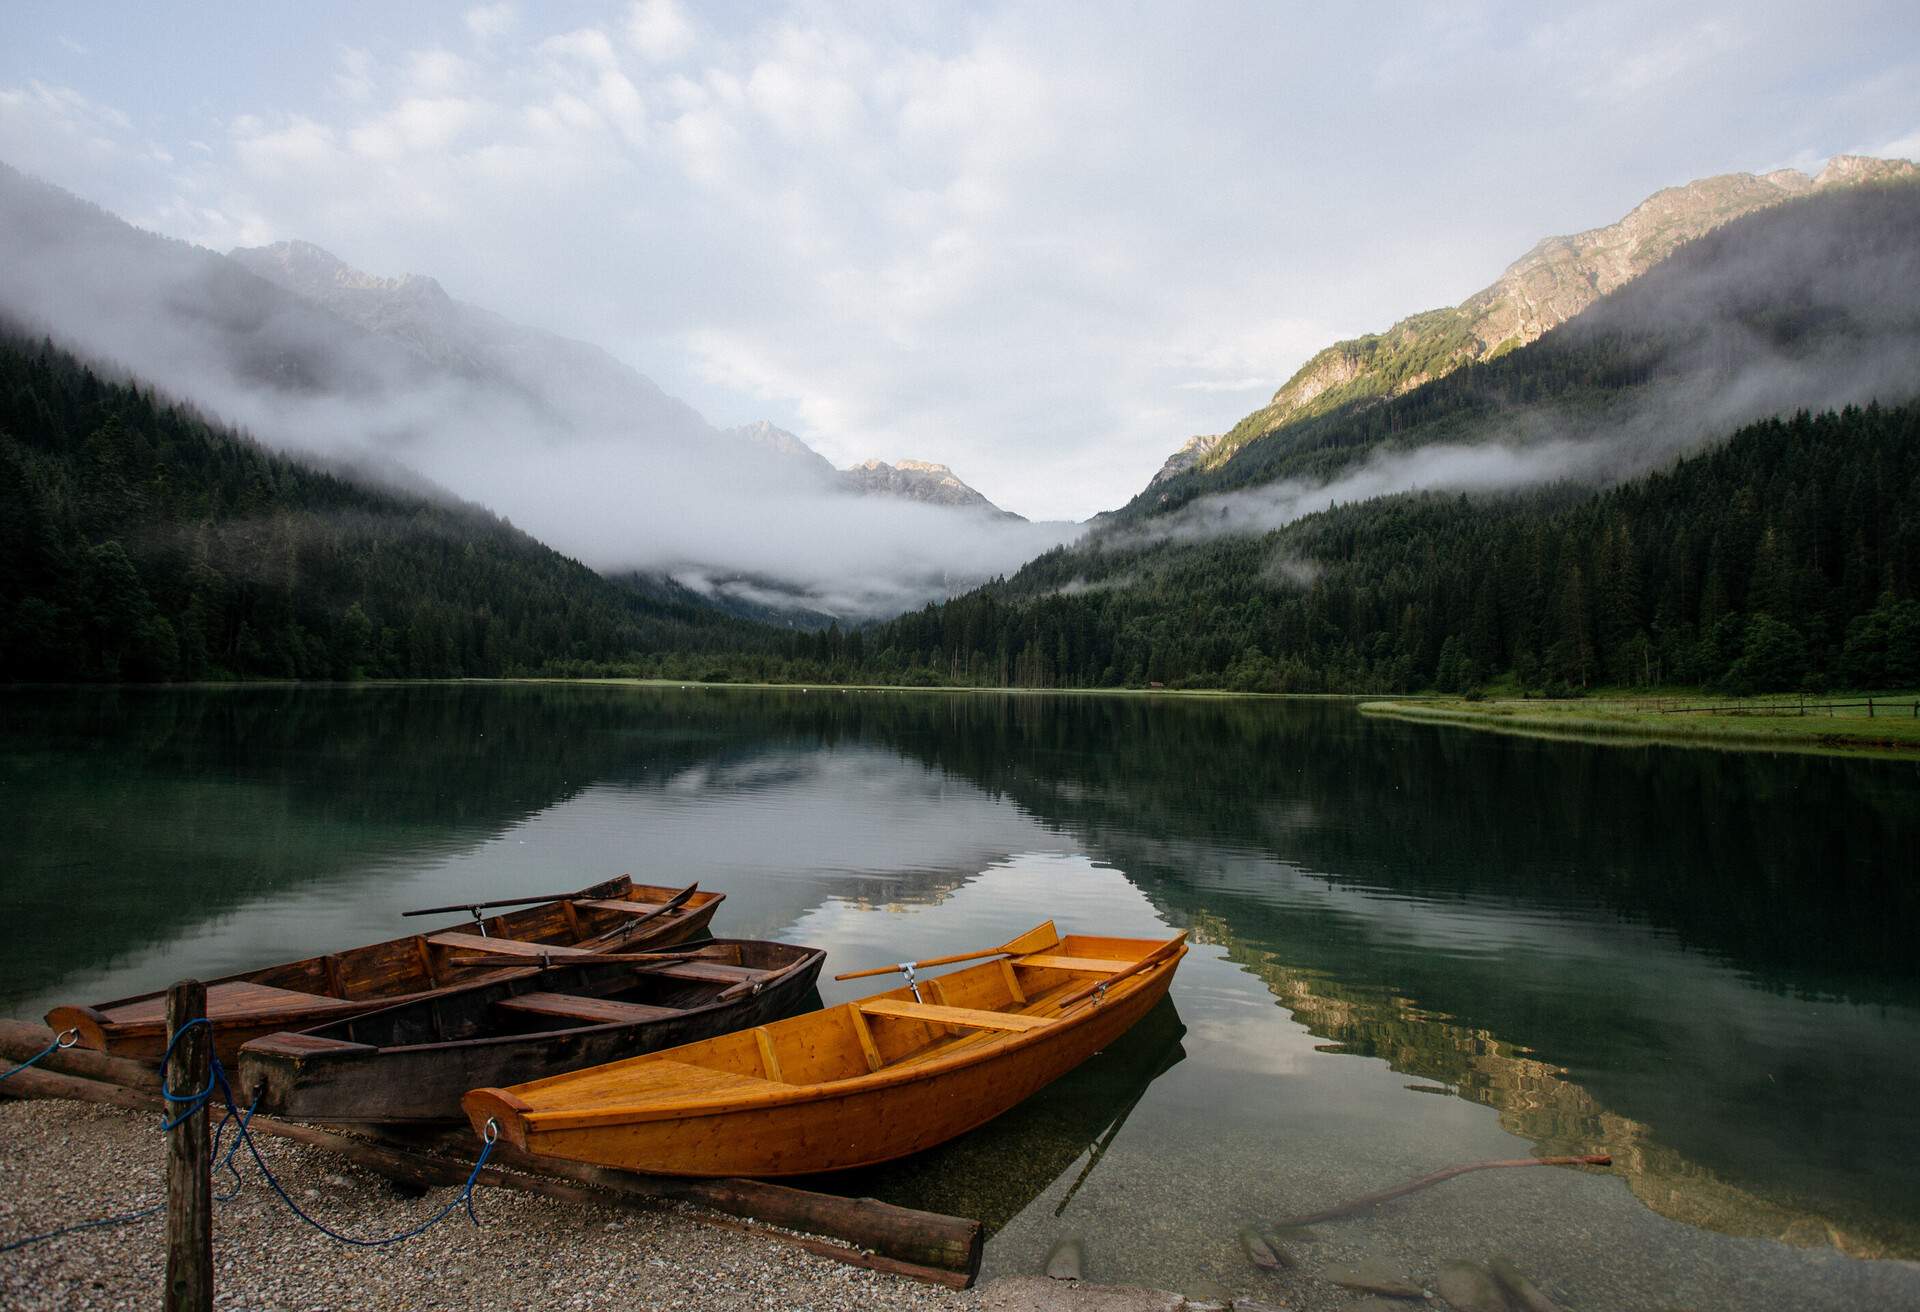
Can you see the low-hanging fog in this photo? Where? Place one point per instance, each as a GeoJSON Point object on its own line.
{"type": "Point", "coordinates": [581, 452]}
{"type": "Point", "coordinates": [1814, 306]}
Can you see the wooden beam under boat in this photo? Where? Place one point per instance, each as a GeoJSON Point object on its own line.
{"type": "Point", "coordinates": [848, 1086]}
{"type": "Point", "coordinates": [616, 915]}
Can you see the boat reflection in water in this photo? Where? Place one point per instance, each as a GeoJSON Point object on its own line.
{"type": "Point", "coordinates": [997, 1171]}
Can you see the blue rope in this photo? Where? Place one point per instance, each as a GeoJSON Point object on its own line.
{"type": "Point", "coordinates": [122, 1219]}
{"type": "Point", "coordinates": [196, 1102]}
{"type": "Point", "coordinates": [65, 1039]}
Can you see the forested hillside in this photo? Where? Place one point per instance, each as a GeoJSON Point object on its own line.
{"type": "Point", "coordinates": [1782, 558]}
{"type": "Point", "coordinates": [1811, 304]}
{"type": "Point", "coordinates": [142, 542]}
{"type": "Point", "coordinates": [1788, 556]}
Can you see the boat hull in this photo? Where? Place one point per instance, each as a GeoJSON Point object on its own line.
{"type": "Point", "coordinates": [300, 994]}
{"type": "Point", "coordinates": [424, 1082]}
{"type": "Point", "coordinates": [835, 1130]}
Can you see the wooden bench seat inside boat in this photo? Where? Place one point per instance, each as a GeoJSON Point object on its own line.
{"type": "Point", "coordinates": [622, 904]}
{"type": "Point", "coordinates": [708, 972]}
{"type": "Point", "coordinates": [969, 1017]}
{"type": "Point", "coordinates": [236, 998]}
{"type": "Point", "coordinates": [505, 947]}
{"type": "Point", "coordinates": [1091, 965]}
{"type": "Point", "coordinates": [598, 1011]}
{"type": "Point", "coordinates": [621, 1084]}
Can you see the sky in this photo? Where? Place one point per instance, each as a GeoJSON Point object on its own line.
{"type": "Point", "coordinates": [1043, 244]}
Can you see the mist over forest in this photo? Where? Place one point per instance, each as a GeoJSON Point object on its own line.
{"type": "Point", "coordinates": [576, 448]}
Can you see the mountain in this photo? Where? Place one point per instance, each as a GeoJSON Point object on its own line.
{"type": "Point", "coordinates": [910, 480]}
{"type": "Point", "coordinates": [405, 383]}
{"type": "Point", "coordinates": [1616, 501]}
{"type": "Point", "coordinates": [579, 383]}
{"type": "Point", "coordinates": [1557, 279]}
{"type": "Point", "coordinates": [784, 446]}
{"type": "Point", "coordinates": [176, 312]}
{"type": "Point", "coordinates": [582, 383]}
{"type": "Point", "coordinates": [142, 542]}
{"type": "Point", "coordinates": [918, 480]}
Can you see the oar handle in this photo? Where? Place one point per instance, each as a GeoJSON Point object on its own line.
{"type": "Point", "coordinates": [922, 965]}
{"type": "Point", "coordinates": [504, 959]}
{"type": "Point", "coordinates": [497, 902]}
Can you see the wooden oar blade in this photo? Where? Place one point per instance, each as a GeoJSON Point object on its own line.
{"type": "Point", "coordinates": [1038, 939]}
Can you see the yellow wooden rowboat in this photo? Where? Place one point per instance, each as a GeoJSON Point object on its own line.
{"type": "Point", "coordinates": [865, 1082]}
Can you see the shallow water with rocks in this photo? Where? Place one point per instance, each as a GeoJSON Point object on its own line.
{"type": "Point", "coordinates": [1414, 947]}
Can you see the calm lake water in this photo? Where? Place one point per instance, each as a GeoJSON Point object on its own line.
{"type": "Point", "coordinates": [1415, 946]}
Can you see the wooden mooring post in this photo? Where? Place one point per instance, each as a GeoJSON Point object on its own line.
{"type": "Point", "coordinates": [189, 1162]}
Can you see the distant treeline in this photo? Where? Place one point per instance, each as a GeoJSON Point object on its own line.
{"type": "Point", "coordinates": [141, 542]}
{"type": "Point", "coordinates": [138, 541]}
{"type": "Point", "coordinates": [1787, 557]}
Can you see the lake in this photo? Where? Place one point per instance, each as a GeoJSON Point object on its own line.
{"type": "Point", "coordinates": [1415, 946]}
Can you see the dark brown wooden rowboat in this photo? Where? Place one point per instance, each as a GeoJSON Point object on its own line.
{"type": "Point", "coordinates": [413, 1061]}
{"type": "Point", "coordinates": [615, 916]}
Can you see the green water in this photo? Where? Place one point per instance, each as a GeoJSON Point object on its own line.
{"type": "Point", "coordinates": [1416, 946]}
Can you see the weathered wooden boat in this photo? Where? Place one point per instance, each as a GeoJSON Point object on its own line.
{"type": "Point", "coordinates": [853, 1085]}
{"type": "Point", "coordinates": [617, 915]}
{"type": "Point", "coordinates": [411, 1062]}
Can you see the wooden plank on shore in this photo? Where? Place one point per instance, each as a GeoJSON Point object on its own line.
{"type": "Point", "coordinates": [20, 1039]}
{"type": "Point", "coordinates": [37, 1083]}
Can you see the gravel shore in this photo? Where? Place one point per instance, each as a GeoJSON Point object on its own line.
{"type": "Point", "coordinates": [64, 1162]}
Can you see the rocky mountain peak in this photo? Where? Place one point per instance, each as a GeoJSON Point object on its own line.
{"type": "Point", "coordinates": [917, 480]}
{"type": "Point", "coordinates": [1557, 279]}
{"type": "Point", "coordinates": [312, 271]}
{"type": "Point", "coordinates": [764, 436]}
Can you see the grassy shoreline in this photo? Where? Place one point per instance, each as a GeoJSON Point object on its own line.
{"type": "Point", "coordinates": [1746, 723]}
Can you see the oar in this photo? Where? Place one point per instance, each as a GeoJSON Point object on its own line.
{"type": "Point", "coordinates": [1040, 936]}
{"type": "Point", "coordinates": [504, 959]}
{"type": "Point", "coordinates": [673, 903]}
{"type": "Point", "coordinates": [1100, 986]}
{"type": "Point", "coordinates": [499, 902]}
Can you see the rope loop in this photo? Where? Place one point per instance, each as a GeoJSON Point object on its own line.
{"type": "Point", "coordinates": [65, 1039]}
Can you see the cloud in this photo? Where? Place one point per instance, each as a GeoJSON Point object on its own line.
{"type": "Point", "coordinates": [436, 72]}
{"type": "Point", "coordinates": [417, 126]}
{"type": "Point", "coordinates": [660, 31]}
{"type": "Point", "coordinates": [486, 22]}
{"type": "Point", "coordinates": [353, 80]}
{"type": "Point", "coordinates": [1227, 385]}
{"type": "Point", "coordinates": [1041, 250]}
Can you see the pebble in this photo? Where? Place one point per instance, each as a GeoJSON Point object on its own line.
{"type": "Point", "coordinates": [1372, 1276]}
{"type": "Point", "coordinates": [1202, 1292]}
{"type": "Point", "coordinates": [1469, 1288]}
{"type": "Point", "coordinates": [1258, 1250]}
{"type": "Point", "coordinates": [1525, 1293]}
{"type": "Point", "coordinates": [1068, 1260]}
{"type": "Point", "coordinates": [66, 1162]}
